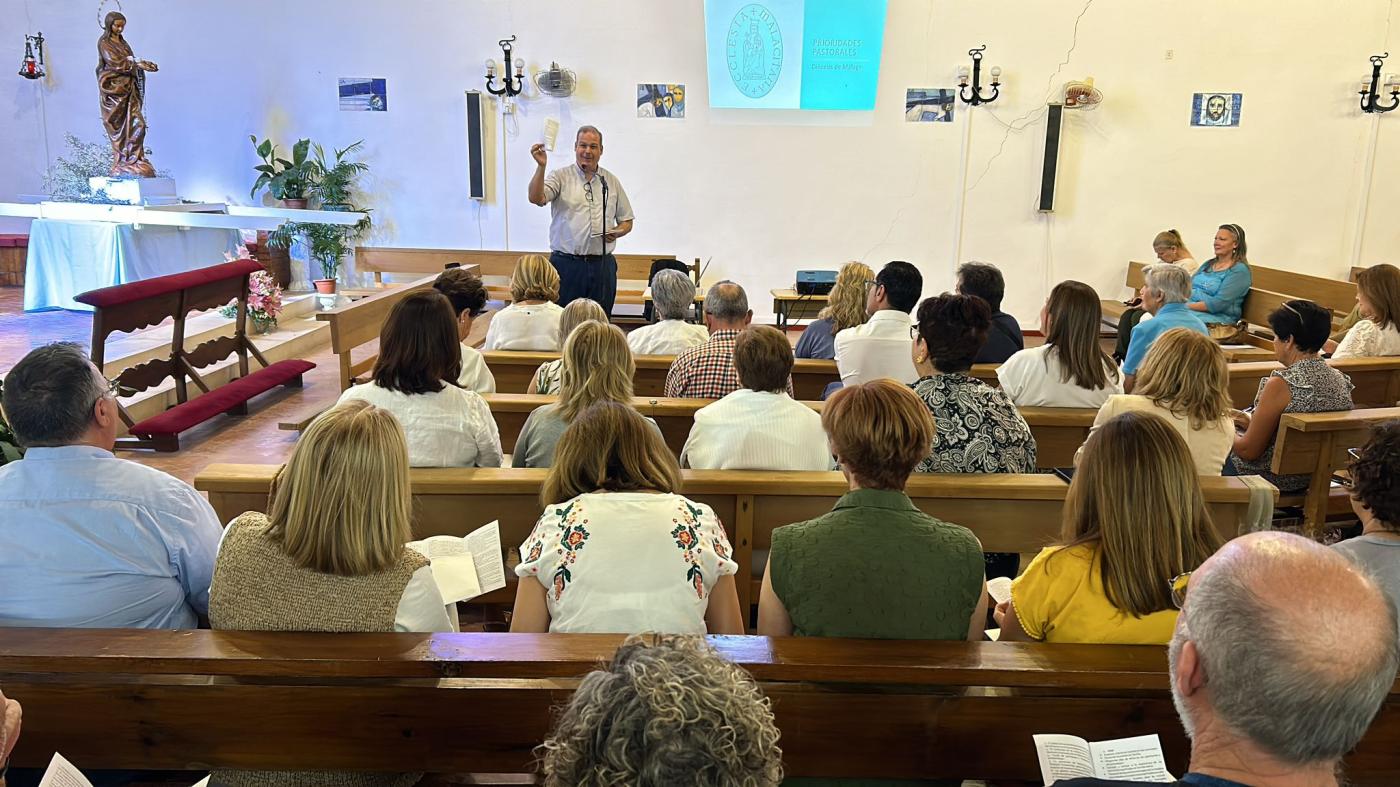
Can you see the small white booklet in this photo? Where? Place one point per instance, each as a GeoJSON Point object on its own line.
{"type": "Point", "coordinates": [1125, 759]}
{"type": "Point", "coordinates": [999, 588]}
{"type": "Point", "coordinates": [465, 567]}
{"type": "Point", "coordinates": [62, 773]}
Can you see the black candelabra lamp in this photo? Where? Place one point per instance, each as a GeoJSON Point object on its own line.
{"type": "Point", "coordinates": [976, 96]}
{"type": "Point", "coordinates": [1370, 89]}
{"type": "Point", "coordinates": [510, 86]}
{"type": "Point", "coordinates": [30, 67]}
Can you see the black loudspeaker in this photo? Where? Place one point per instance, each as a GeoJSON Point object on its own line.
{"type": "Point", "coordinates": [1054, 118]}
{"type": "Point", "coordinates": [476, 143]}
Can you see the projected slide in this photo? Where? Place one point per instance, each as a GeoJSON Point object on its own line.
{"type": "Point", "coordinates": [794, 54]}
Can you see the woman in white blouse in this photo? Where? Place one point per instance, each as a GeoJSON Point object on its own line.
{"type": "Point", "coordinates": [579, 311]}
{"type": "Point", "coordinates": [1070, 369]}
{"type": "Point", "coordinates": [673, 294]}
{"type": "Point", "coordinates": [531, 321]}
{"type": "Point", "coordinates": [415, 378]}
{"type": "Point", "coordinates": [1185, 380]}
{"type": "Point", "coordinates": [617, 550]}
{"type": "Point", "coordinates": [1377, 333]}
{"type": "Point", "coordinates": [468, 297]}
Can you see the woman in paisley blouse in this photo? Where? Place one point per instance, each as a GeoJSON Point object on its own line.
{"type": "Point", "coordinates": [977, 428]}
{"type": "Point", "coordinates": [617, 550]}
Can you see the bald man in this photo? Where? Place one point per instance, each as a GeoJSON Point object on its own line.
{"type": "Point", "coordinates": [1283, 653]}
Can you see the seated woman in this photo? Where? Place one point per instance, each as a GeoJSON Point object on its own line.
{"type": "Point", "coordinates": [1135, 521]}
{"type": "Point", "coordinates": [1377, 332]}
{"type": "Point", "coordinates": [978, 429]}
{"type": "Point", "coordinates": [468, 297]}
{"type": "Point", "coordinates": [845, 308]}
{"type": "Point", "coordinates": [1306, 385]}
{"type": "Point", "coordinates": [330, 554]}
{"type": "Point", "coordinates": [580, 310]}
{"type": "Point", "coordinates": [531, 321]}
{"type": "Point", "coordinates": [415, 378]}
{"type": "Point", "coordinates": [673, 294]}
{"type": "Point", "coordinates": [617, 549]}
{"type": "Point", "coordinates": [1171, 249]}
{"type": "Point", "coordinates": [1375, 497]}
{"type": "Point", "coordinates": [1070, 369]}
{"type": "Point", "coordinates": [675, 711]}
{"type": "Point", "coordinates": [596, 367]}
{"type": "Point", "coordinates": [1220, 284]}
{"type": "Point", "coordinates": [758, 427]}
{"type": "Point", "coordinates": [875, 566]}
{"type": "Point", "coordinates": [1185, 380]}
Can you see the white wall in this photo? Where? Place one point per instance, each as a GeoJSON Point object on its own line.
{"type": "Point", "coordinates": [764, 198]}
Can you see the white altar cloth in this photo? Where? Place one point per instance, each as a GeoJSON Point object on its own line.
{"type": "Point", "coordinates": [67, 258]}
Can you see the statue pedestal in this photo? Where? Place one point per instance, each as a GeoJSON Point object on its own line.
{"type": "Point", "coordinates": [138, 191]}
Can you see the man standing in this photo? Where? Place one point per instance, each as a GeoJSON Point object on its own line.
{"type": "Point", "coordinates": [90, 540]}
{"type": "Point", "coordinates": [1165, 288]}
{"type": "Point", "coordinates": [883, 346]}
{"type": "Point", "coordinates": [589, 211]}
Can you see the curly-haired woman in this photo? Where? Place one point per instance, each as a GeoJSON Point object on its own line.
{"type": "Point", "coordinates": [1375, 497]}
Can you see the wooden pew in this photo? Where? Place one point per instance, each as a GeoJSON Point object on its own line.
{"type": "Point", "coordinates": [1316, 444]}
{"type": "Point", "coordinates": [1377, 380]}
{"type": "Point", "coordinates": [1058, 431]}
{"type": "Point", "coordinates": [478, 703]}
{"type": "Point", "coordinates": [495, 267]}
{"type": "Point", "coordinates": [1009, 513]}
{"type": "Point", "coordinates": [359, 322]}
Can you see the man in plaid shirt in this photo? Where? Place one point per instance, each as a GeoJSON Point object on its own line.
{"type": "Point", "coordinates": [707, 371]}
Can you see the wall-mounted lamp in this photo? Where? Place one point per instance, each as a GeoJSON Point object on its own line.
{"type": "Point", "coordinates": [1371, 88]}
{"type": "Point", "coordinates": [30, 67]}
{"type": "Point", "coordinates": [510, 86]}
{"type": "Point", "coordinates": [976, 96]}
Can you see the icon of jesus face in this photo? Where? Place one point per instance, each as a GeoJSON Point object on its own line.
{"type": "Point", "coordinates": [1215, 107]}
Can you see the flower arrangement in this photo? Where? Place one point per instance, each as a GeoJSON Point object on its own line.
{"type": "Point", "coordinates": [264, 302]}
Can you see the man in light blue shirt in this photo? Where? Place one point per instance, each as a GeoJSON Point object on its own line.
{"type": "Point", "coordinates": [87, 539]}
{"type": "Point", "coordinates": [1165, 288]}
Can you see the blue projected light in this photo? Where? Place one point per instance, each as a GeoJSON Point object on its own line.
{"type": "Point", "coordinates": [794, 54]}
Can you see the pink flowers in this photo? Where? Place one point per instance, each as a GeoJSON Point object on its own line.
{"type": "Point", "coordinates": [264, 302]}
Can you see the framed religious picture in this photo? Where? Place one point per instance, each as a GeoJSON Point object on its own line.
{"type": "Point", "coordinates": [1216, 109]}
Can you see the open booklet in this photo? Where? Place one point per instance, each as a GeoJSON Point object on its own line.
{"type": "Point", "coordinates": [465, 567]}
{"type": "Point", "coordinates": [62, 773]}
{"type": "Point", "coordinates": [1125, 759]}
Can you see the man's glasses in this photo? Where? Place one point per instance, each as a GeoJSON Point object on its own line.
{"type": "Point", "coordinates": [588, 190]}
{"type": "Point", "coordinates": [1178, 586]}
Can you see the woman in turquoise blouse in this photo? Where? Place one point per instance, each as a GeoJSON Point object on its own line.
{"type": "Point", "coordinates": [1219, 286]}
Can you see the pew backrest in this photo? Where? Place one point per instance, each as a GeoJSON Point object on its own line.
{"type": "Point", "coordinates": [359, 322]}
{"type": "Point", "coordinates": [1316, 444]}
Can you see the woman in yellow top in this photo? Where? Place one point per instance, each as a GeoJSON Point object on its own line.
{"type": "Point", "coordinates": [1135, 519]}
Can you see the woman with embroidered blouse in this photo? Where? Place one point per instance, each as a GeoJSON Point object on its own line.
{"type": "Point", "coordinates": [1135, 522]}
{"type": "Point", "coordinates": [1306, 384]}
{"type": "Point", "coordinates": [1377, 331]}
{"type": "Point", "coordinates": [875, 566]}
{"type": "Point", "coordinates": [546, 379]}
{"type": "Point", "coordinates": [978, 429]}
{"type": "Point", "coordinates": [617, 549]}
{"type": "Point", "coordinates": [1221, 283]}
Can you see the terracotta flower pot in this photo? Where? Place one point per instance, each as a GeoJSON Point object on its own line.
{"type": "Point", "coordinates": [325, 286]}
{"type": "Point", "coordinates": [294, 204]}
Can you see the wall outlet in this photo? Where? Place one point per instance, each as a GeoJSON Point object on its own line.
{"type": "Point", "coordinates": [1170, 55]}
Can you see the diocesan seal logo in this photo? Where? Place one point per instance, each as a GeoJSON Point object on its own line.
{"type": "Point", "coordinates": [754, 49]}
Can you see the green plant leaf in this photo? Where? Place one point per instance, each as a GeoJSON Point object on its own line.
{"type": "Point", "coordinates": [299, 151]}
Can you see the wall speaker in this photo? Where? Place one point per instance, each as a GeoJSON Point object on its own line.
{"type": "Point", "coordinates": [1054, 118]}
{"type": "Point", "coordinates": [476, 144]}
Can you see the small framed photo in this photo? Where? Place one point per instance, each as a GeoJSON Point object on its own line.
{"type": "Point", "coordinates": [1216, 109]}
{"type": "Point", "coordinates": [928, 105]}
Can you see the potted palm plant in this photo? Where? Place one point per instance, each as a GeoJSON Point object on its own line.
{"type": "Point", "coordinates": [332, 186]}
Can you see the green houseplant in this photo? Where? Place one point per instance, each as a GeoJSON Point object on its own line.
{"type": "Point", "coordinates": [331, 185]}
{"type": "Point", "coordinates": [286, 180]}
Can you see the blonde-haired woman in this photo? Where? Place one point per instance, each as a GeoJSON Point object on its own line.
{"type": "Point", "coordinates": [330, 554]}
{"type": "Point", "coordinates": [1169, 247]}
{"type": "Point", "coordinates": [1070, 369]}
{"type": "Point", "coordinates": [1185, 380]}
{"type": "Point", "coordinates": [597, 366]}
{"type": "Point", "coordinates": [1377, 332]}
{"type": "Point", "coordinates": [618, 549]}
{"type": "Point", "coordinates": [579, 311]}
{"type": "Point", "coordinates": [845, 308]}
{"type": "Point", "coordinates": [531, 321]}
{"type": "Point", "coordinates": [1135, 523]}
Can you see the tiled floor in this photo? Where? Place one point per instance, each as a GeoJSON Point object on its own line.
{"type": "Point", "coordinates": [20, 332]}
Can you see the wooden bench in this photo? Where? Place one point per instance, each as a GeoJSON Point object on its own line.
{"type": "Point", "coordinates": [1377, 380]}
{"type": "Point", "coordinates": [1315, 444]}
{"type": "Point", "coordinates": [1009, 513]}
{"type": "Point", "coordinates": [359, 322]}
{"type": "Point", "coordinates": [476, 703]}
{"type": "Point", "coordinates": [1058, 431]}
{"type": "Point", "coordinates": [129, 307]}
{"type": "Point", "coordinates": [495, 267]}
